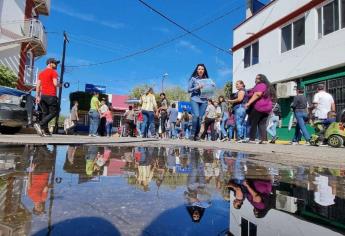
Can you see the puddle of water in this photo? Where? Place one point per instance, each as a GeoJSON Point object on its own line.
{"type": "Point", "coordinates": [91, 190]}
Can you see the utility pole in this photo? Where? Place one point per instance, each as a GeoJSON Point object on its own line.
{"type": "Point", "coordinates": [163, 78]}
{"type": "Point", "coordinates": [65, 41]}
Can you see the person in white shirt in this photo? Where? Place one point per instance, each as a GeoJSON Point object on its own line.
{"type": "Point", "coordinates": [323, 103]}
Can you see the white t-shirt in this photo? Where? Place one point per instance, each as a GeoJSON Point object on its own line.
{"type": "Point", "coordinates": [324, 102]}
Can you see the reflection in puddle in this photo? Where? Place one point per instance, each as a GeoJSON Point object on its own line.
{"type": "Point", "coordinates": [92, 190]}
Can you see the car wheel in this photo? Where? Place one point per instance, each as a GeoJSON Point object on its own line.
{"type": "Point", "coordinates": [335, 141]}
{"type": "Point", "coordinates": [9, 130]}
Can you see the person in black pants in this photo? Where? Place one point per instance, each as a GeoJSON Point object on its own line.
{"type": "Point", "coordinates": [46, 87]}
{"type": "Point", "coordinates": [260, 103]}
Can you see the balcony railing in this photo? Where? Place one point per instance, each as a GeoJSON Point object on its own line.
{"type": "Point", "coordinates": [28, 31]}
{"type": "Point", "coordinates": [30, 75]}
{"type": "Point", "coordinates": [34, 30]}
{"type": "Point", "coordinates": [42, 6]}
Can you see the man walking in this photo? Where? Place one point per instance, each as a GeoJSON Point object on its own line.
{"type": "Point", "coordinates": [323, 103]}
{"type": "Point", "coordinates": [47, 84]}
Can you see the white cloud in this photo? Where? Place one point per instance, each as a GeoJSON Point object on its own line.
{"type": "Point", "coordinates": [188, 45]}
{"type": "Point", "coordinates": [162, 30]}
{"type": "Point", "coordinates": [88, 17]}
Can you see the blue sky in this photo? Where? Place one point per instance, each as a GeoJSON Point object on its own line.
{"type": "Point", "coordinates": [108, 29]}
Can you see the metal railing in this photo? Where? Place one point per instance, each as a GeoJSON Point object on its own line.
{"type": "Point", "coordinates": [30, 75]}
{"type": "Point", "coordinates": [34, 29]}
{"type": "Point", "coordinates": [31, 30]}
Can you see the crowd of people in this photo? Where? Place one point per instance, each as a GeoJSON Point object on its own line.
{"type": "Point", "coordinates": [249, 115]}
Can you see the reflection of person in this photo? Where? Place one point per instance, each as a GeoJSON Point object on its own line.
{"type": "Point", "coordinates": [259, 195]}
{"type": "Point", "coordinates": [39, 172]}
{"type": "Point", "coordinates": [239, 194]}
{"type": "Point", "coordinates": [197, 196]}
{"type": "Point", "coordinates": [198, 103]}
{"type": "Point", "coordinates": [145, 167]}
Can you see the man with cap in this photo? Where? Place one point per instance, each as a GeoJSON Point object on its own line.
{"type": "Point", "coordinates": [46, 87]}
{"type": "Point", "coordinates": [323, 103]}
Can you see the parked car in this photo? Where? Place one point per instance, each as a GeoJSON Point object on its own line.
{"type": "Point", "coordinates": [15, 109]}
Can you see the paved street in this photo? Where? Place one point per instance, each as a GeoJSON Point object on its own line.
{"type": "Point", "coordinates": [278, 153]}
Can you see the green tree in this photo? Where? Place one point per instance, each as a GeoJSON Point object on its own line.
{"type": "Point", "coordinates": [7, 77]}
{"type": "Point", "coordinates": [139, 90]}
{"type": "Point", "coordinates": [176, 93]}
{"type": "Point", "coordinates": [228, 89]}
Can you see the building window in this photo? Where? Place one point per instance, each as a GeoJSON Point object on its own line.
{"type": "Point", "coordinates": [328, 17]}
{"type": "Point", "coordinates": [293, 35]}
{"type": "Point", "coordinates": [248, 228]}
{"type": "Point", "coordinates": [251, 55]}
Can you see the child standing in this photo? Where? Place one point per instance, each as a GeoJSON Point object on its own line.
{"type": "Point", "coordinates": [210, 117]}
{"type": "Point", "coordinates": [230, 124]}
{"type": "Point", "coordinates": [109, 121]}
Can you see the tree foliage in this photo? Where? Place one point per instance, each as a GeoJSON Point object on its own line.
{"type": "Point", "coordinates": [7, 77]}
{"type": "Point", "coordinates": [228, 89]}
{"type": "Point", "coordinates": [175, 93]}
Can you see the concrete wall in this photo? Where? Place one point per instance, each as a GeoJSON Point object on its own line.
{"type": "Point", "coordinates": [315, 56]}
{"type": "Point", "coordinates": [12, 14]}
{"type": "Point", "coordinates": [10, 57]}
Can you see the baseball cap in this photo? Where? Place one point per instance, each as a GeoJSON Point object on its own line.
{"type": "Point", "coordinates": [52, 60]}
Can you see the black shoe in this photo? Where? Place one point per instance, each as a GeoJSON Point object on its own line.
{"type": "Point", "coordinates": [46, 133]}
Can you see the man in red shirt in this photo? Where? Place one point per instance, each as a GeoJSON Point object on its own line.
{"type": "Point", "coordinates": [46, 87]}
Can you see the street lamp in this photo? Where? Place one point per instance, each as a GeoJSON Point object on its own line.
{"type": "Point", "coordinates": [163, 78]}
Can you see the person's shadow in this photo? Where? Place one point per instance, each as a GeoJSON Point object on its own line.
{"type": "Point", "coordinates": [82, 226]}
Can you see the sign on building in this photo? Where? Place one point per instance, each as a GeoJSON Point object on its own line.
{"type": "Point", "coordinates": [90, 88]}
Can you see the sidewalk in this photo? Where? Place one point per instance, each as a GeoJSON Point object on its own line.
{"type": "Point", "coordinates": [282, 153]}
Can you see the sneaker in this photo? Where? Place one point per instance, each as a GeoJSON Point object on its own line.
{"type": "Point", "coordinates": [294, 143]}
{"type": "Point", "coordinates": [38, 129]}
{"type": "Point", "coordinates": [224, 139]}
{"type": "Point", "coordinates": [46, 134]}
{"type": "Point", "coordinates": [262, 142]}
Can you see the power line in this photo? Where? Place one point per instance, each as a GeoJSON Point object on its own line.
{"type": "Point", "coordinates": [183, 28]}
{"type": "Point", "coordinates": [158, 45]}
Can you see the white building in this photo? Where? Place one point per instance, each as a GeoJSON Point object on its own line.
{"type": "Point", "coordinates": [22, 37]}
{"type": "Point", "coordinates": [293, 40]}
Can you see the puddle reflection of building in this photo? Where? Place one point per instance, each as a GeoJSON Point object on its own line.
{"type": "Point", "coordinates": [306, 204]}
{"type": "Point", "coordinates": [15, 218]}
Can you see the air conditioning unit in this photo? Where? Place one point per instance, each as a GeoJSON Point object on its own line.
{"type": "Point", "coordinates": [285, 90]}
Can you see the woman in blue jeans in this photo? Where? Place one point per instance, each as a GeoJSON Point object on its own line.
{"type": "Point", "coordinates": [240, 99]}
{"type": "Point", "coordinates": [198, 103]}
{"type": "Point", "coordinates": [300, 108]}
